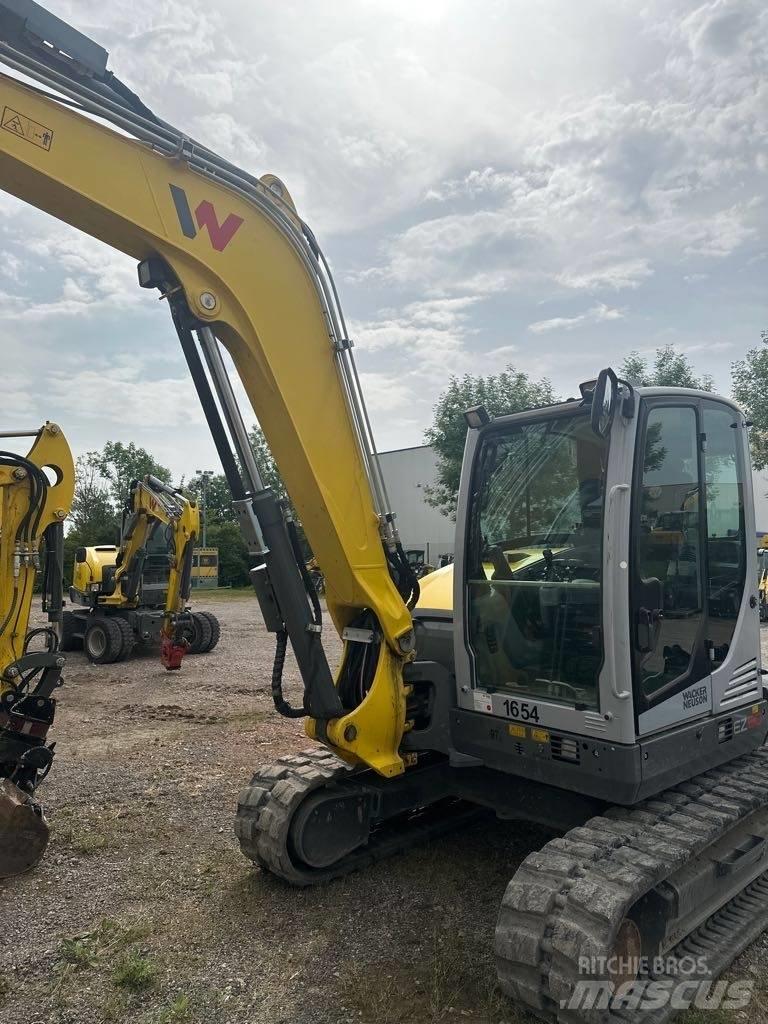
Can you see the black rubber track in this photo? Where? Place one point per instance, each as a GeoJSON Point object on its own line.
{"type": "Point", "coordinates": [267, 805]}
{"type": "Point", "coordinates": [567, 900]}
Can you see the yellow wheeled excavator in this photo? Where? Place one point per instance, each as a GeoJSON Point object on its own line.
{"type": "Point", "coordinates": [597, 670]}
{"type": "Point", "coordinates": [138, 592]}
{"type": "Point", "coordinates": [33, 507]}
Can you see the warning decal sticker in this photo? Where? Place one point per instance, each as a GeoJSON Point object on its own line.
{"type": "Point", "coordinates": [26, 128]}
{"type": "Point", "coordinates": [482, 701]}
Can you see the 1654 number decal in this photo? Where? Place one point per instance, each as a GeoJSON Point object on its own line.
{"type": "Point", "coordinates": [521, 709]}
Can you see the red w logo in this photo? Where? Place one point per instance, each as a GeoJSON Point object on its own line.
{"type": "Point", "coordinates": [205, 215]}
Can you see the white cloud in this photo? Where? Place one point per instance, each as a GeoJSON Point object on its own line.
{"type": "Point", "coordinates": [462, 172]}
{"type": "Point", "coordinates": [596, 315]}
{"type": "Point", "coordinates": [606, 275]}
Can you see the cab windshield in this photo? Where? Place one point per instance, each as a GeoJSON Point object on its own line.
{"type": "Point", "coordinates": [535, 560]}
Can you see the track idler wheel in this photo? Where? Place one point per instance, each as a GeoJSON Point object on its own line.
{"type": "Point", "coordinates": [329, 826]}
{"type": "Point", "coordinates": [24, 832]}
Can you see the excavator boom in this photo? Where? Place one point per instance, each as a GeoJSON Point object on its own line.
{"type": "Point", "coordinates": [32, 509]}
{"type": "Point", "coordinates": [237, 266]}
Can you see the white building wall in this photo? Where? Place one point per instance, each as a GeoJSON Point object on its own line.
{"type": "Point", "coordinates": [406, 472]}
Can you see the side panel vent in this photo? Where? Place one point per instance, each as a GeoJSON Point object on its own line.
{"type": "Point", "coordinates": [565, 749]}
{"type": "Point", "coordinates": [743, 684]}
{"type": "Point", "coordinates": [593, 722]}
{"type": "Point", "coordinates": [725, 730]}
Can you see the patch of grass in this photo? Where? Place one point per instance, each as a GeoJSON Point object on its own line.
{"type": "Point", "coordinates": [707, 1017]}
{"type": "Point", "coordinates": [93, 950]}
{"type": "Point", "coordinates": [203, 596]}
{"type": "Point", "coordinates": [115, 1007]}
{"type": "Point", "coordinates": [176, 1012]}
{"type": "Point", "coordinates": [447, 981]}
{"type": "Point", "coordinates": [88, 835]}
{"type": "Point", "coordinates": [78, 952]}
{"type": "Point", "coordinates": [134, 972]}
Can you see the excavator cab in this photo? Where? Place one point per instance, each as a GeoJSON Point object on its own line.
{"type": "Point", "coordinates": [634, 611]}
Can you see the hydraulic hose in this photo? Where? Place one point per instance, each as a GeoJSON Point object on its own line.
{"type": "Point", "coordinates": [281, 704]}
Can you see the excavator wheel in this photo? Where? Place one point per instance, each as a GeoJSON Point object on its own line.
{"type": "Point", "coordinates": [215, 631]}
{"type": "Point", "coordinates": [103, 641]}
{"type": "Point", "coordinates": [127, 635]}
{"type": "Point", "coordinates": [24, 831]}
{"type": "Point", "coordinates": [67, 639]}
{"type": "Point", "coordinates": [200, 635]}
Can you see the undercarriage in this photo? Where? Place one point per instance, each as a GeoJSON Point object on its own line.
{"type": "Point", "coordinates": [680, 878]}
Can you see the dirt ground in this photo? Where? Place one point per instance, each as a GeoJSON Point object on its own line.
{"type": "Point", "coordinates": [144, 909]}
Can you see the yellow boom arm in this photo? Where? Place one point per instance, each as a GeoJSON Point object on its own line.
{"type": "Point", "coordinates": [35, 496]}
{"type": "Point", "coordinates": [28, 506]}
{"type": "Point", "coordinates": [249, 270]}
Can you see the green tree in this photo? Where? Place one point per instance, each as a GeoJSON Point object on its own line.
{"type": "Point", "coordinates": [120, 463]}
{"type": "Point", "coordinates": [266, 463]}
{"type": "Point", "coordinates": [506, 392]}
{"type": "Point", "coordinates": [750, 389]}
{"type": "Point", "coordinates": [271, 477]}
{"type": "Point", "coordinates": [234, 560]}
{"type": "Point", "coordinates": [671, 369]}
{"type": "Point", "coordinates": [92, 517]}
{"type": "Point", "coordinates": [218, 500]}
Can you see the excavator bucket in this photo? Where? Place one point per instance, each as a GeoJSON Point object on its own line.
{"type": "Point", "coordinates": [24, 831]}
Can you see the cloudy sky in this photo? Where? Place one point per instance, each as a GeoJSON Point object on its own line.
{"type": "Point", "coordinates": [549, 184]}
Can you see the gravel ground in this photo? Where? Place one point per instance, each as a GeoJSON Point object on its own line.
{"type": "Point", "coordinates": [144, 909]}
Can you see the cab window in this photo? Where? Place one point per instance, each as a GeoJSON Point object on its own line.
{"type": "Point", "coordinates": [534, 579]}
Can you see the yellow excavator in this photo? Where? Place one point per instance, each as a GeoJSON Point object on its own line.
{"type": "Point", "coordinates": [138, 592]}
{"type": "Point", "coordinates": [33, 508]}
{"type": "Point", "coordinates": [595, 671]}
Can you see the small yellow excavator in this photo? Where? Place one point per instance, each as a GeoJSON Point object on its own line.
{"type": "Point", "coordinates": [32, 512]}
{"type": "Point", "coordinates": [137, 593]}
{"type": "Point", "coordinates": [598, 668]}
{"type": "Point", "coordinates": [762, 582]}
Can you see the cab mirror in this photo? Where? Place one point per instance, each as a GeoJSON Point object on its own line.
{"type": "Point", "coordinates": [81, 555]}
{"type": "Point", "coordinates": [604, 400]}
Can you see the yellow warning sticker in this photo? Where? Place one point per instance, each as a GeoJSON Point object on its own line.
{"type": "Point", "coordinates": [517, 730]}
{"type": "Point", "coordinates": [26, 128]}
{"type": "Point", "coordinates": [540, 735]}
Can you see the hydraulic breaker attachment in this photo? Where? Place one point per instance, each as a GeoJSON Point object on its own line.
{"type": "Point", "coordinates": [24, 831]}
{"type": "Point", "coordinates": [172, 651]}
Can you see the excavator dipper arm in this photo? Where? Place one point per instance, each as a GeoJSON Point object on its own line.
{"type": "Point", "coordinates": [238, 267]}
{"type": "Point", "coordinates": [32, 509]}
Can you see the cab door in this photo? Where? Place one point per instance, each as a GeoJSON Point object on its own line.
{"type": "Point", "coordinates": [671, 663]}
